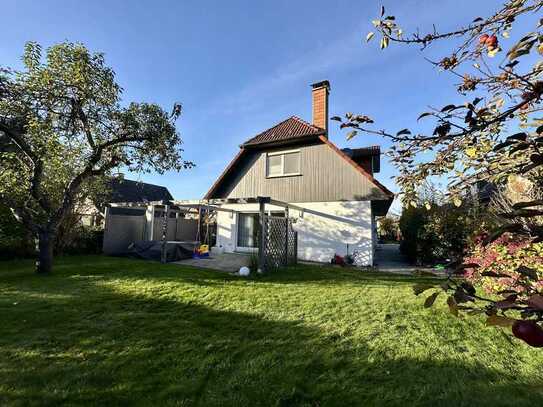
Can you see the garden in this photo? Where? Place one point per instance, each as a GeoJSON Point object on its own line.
{"type": "Point", "coordinates": [113, 331]}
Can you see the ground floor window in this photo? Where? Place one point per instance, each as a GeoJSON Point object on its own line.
{"type": "Point", "coordinates": [248, 229]}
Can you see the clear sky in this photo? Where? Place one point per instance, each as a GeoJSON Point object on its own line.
{"type": "Point", "coordinates": [239, 67]}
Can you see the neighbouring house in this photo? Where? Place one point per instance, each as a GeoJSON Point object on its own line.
{"type": "Point", "coordinates": [121, 190]}
{"type": "Point", "coordinates": [295, 162]}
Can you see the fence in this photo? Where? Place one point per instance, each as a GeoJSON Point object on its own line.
{"type": "Point", "coordinates": [280, 242]}
{"type": "Point", "coordinates": [125, 225]}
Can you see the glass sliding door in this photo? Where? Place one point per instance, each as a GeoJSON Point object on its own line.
{"type": "Point", "coordinates": [248, 224]}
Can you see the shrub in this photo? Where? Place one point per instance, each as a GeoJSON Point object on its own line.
{"type": "Point", "coordinates": [87, 240]}
{"type": "Point", "coordinates": [438, 232]}
{"type": "Point", "coordinates": [388, 228]}
{"type": "Point", "coordinates": [15, 241]}
{"type": "Point", "coordinates": [505, 263]}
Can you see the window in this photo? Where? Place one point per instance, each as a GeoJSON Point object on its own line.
{"type": "Point", "coordinates": [248, 229]}
{"type": "Point", "coordinates": [283, 163]}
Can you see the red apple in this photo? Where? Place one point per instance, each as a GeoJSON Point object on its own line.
{"type": "Point", "coordinates": [483, 38]}
{"type": "Point", "coordinates": [491, 41]}
{"type": "Point", "coordinates": [530, 332]}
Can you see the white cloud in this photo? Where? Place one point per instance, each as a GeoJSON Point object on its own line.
{"type": "Point", "coordinates": [313, 65]}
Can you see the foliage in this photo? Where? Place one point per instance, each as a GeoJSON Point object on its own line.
{"type": "Point", "coordinates": [508, 264]}
{"type": "Point", "coordinates": [15, 241]}
{"type": "Point", "coordinates": [62, 126]}
{"type": "Point", "coordinates": [111, 331]}
{"type": "Point", "coordinates": [87, 240]}
{"type": "Point", "coordinates": [388, 228]}
{"type": "Point", "coordinates": [434, 230]}
{"type": "Point", "coordinates": [412, 223]}
{"type": "Point", "coordinates": [494, 133]}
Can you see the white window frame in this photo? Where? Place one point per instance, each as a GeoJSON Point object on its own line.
{"type": "Point", "coordinates": [244, 249]}
{"type": "Point", "coordinates": [282, 154]}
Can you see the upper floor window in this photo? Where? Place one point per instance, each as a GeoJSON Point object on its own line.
{"type": "Point", "coordinates": [283, 163]}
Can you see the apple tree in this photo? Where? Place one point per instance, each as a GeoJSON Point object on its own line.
{"type": "Point", "coordinates": [62, 127]}
{"type": "Point", "coordinates": [495, 132]}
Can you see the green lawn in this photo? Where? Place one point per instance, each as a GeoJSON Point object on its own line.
{"type": "Point", "coordinates": [108, 331]}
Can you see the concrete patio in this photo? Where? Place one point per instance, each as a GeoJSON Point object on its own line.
{"type": "Point", "coordinates": [229, 262]}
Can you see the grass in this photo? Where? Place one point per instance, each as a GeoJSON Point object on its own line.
{"type": "Point", "coordinates": [109, 331]}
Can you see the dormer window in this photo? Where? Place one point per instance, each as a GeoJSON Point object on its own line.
{"type": "Point", "coordinates": [283, 163]}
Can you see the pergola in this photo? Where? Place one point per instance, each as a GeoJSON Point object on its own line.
{"type": "Point", "coordinates": [198, 206]}
{"type": "Point", "coordinates": [217, 205]}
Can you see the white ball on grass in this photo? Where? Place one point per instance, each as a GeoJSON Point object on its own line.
{"type": "Point", "coordinates": [244, 271]}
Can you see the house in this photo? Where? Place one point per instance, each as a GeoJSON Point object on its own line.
{"type": "Point", "coordinates": [295, 162]}
{"type": "Point", "coordinates": [119, 189]}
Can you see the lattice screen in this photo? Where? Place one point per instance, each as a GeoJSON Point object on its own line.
{"type": "Point", "coordinates": [281, 242]}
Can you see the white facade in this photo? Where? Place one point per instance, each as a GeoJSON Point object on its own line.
{"type": "Point", "coordinates": [324, 229]}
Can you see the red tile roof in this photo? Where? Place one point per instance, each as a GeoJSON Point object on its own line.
{"type": "Point", "coordinates": [292, 128]}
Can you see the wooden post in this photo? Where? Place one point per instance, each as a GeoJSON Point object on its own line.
{"type": "Point", "coordinates": [164, 233]}
{"type": "Point", "coordinates": [199, 225]}
{"type": "Point", "coordinates": [207, 225]}
{"type": "Point", "coordinates": [263, 237]}
{"type": "Point", "coordinates": [286, 236]}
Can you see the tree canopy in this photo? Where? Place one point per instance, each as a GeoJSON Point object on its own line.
{"type": "Point", "coordinates": [63, 126]}
{"type": "Point", "coordinates": [495, 133]}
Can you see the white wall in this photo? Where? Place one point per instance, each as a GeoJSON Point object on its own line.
{"type": "Point", "coordinates": [325, 229]}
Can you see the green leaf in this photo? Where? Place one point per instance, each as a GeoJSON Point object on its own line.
{"type": "Point", "coordinates": [424, 115]}
{"type": "Point", "coordinates": [369, 36]}
{"type": "Point", "coordinates": [421, 287]}
{"type": "Point", "coordinates": [453, 307]}
{"type": "Point", "coordinates": [351, 134]}
{"type": "Point", "coordinates": [518, 136]}
{"type": "Point", "coordinates": [536, 301]}
{"type": "Point", "coordinates": [404, 131]}
{"type": "Point", "coordinates": [528, 272]}
{"type": "Point", "coordinates": [336, 118]}
{"type": "Point", "coordinates": [497, 320]}
{"type": "Point", "coordinates": [382, 11]}
{"type": "Point", "coordinates": [430, 300]}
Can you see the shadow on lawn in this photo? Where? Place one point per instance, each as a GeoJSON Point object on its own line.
{"type": "Point", "coordinates": [96, 345]}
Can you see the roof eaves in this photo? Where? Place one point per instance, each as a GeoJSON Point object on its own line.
{"type": "Point", "coordinates": [224, 173]}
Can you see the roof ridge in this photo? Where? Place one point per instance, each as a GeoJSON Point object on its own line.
{"type": "Point", "coordinates": [137, 182]}
{"type": "Point", "coordinates": [290, 128]}
{"type": "Point", "coordinates": [306, 123]}
{"type": "Point", "coordinates": [271, 128]}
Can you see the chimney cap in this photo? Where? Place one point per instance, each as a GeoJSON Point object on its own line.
{"type": "Point", "coordinates": [321, 84]}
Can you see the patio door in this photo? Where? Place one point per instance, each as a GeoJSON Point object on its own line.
{"type": "Point", "coordinates": [247, 239]}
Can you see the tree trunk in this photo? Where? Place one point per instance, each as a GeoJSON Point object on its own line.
{"type": "Point", "coordinates": [44, 264]}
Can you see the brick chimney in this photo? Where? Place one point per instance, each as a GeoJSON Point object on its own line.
{"type": "Point", "coordinates": [320, 104]}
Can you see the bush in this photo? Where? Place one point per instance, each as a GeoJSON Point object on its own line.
{"type": "Point", "coordinates": [86, 240]}
{"type": "Point", "coordinates": [500, 261]}
{"type": "Point", "coordinates": [437, 234]}
{"type": "Point", "coordinates": [387, 228]}
{"type": "Point", "coordinates": [412, 223]}
{"type": "Point", "coordinates": [15, 241]}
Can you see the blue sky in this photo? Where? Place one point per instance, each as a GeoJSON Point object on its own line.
{"type": "Point", "coordinates": [239, 67]}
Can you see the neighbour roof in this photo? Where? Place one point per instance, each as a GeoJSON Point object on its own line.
{"type": "Point", "coordinates": [125, 190]}
{"type": "Point", "coordinates": [292, 128]}
{"type": "Point", "coordinates": [362, 152]}
{"type": "Point", "coordinates": [359, 154]}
